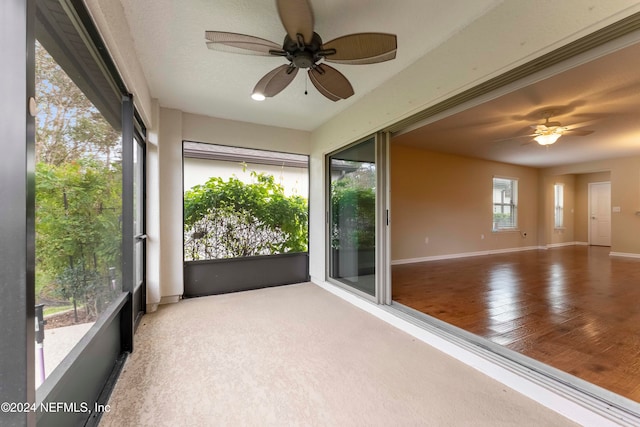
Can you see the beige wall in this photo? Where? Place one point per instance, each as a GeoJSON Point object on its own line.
{"type": "Point", "coordinates": [441, 204]}
{"type": "Point", "coordinates": [625, 194]}
{"type": "Point", "coordinates": [447, 199]}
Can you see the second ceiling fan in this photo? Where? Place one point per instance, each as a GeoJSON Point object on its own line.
{"type": "Point", "coordinates": [303, 48]}
{"type": "Point", "coordinates": [548, 132]}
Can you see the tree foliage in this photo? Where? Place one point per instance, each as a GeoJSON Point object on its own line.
{"type": "Point", "coordinates": [69, 126]}
{"type": "Point", "coordinates": [78, 191]}
{"type": "Point", "coordinates": [353, 209]}
{"type": "Point", "coordinates": [225, 219]}
{"type": "Point", "coordinates": [78, 227]}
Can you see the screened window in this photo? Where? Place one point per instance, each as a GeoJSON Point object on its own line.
{"type": "Point", "coordinates": [241, 202]}
{"type": "Point", "coordinates": [505, 204]}
{"type": "Point", "coordinates": [558, 190]}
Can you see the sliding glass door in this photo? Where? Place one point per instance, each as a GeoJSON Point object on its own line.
{"type": "Point", "coordinates": [140, 237]}
{"type": "Point", "coordinates": [352, 216]}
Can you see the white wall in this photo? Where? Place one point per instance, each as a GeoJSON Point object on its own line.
{"type": "Point", "coordinates": [295, 181]}
{"type": "Point", "coordinates": [152, 214]}
{"type": "Point", "coordinates": [109, 17]}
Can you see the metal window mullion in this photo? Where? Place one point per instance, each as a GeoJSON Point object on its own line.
{"type": "Point", "coordinates": [128, 255]}
{"type": "Point", "coordinates": [383, 266]}
{"type": "Point", "coordinates": [17, 210]}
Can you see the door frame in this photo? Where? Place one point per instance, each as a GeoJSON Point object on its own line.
{"type": "Point", "coordinates": [382, 257]}
{"type": "Point", "coordinates": [140, 236]}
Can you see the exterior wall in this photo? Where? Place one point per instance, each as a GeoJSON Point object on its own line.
{"type": "Point", "coordinates": [442, 204]}
{"type": "Point", "coordinates": [295, 181]}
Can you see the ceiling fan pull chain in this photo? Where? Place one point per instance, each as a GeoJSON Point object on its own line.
{"type": "Point", "coordinates": [306, 81]}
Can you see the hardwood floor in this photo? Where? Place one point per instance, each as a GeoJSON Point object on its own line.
{"type": "Point", "coordinates": [574, 308]}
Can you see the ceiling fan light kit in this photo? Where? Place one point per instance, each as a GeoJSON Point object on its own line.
{"type": "Point", "coordinates": [549, 132]}
{"type": "Point", "coordinates": [303, 48]}
{"type": "Point", "coordinates": [547, 139]}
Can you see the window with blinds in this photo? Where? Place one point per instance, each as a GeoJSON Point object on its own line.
{"type": "Point", "coordinates": [505, 204]}
{"type": "Point", "coordinates": [558, 192]}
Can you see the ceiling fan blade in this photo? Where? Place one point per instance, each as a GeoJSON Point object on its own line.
{"type": "Point", "coordinates": [576, 132]}
{"type": "Point", "coordinates": [362, 48]}
{"type": "Point", "coordinates": [511, 138]}
{"type": "Point", "coordinates": [321, 89]}
{"type": "Point", "coordinates": [583, 124]}
{"type": "Point", "coordinates": [331, 81]}
{"type": "Point", "coordinates": [275, 81]}
{"type": "Point", "coordinates": [239, 43]}
{"type": "Point", "coordinates": [297, 18]}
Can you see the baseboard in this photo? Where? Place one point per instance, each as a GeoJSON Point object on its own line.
{"type": "Point", "coordinates": [624, 254]}
{"type": "Point", "coordinates": [170, 299]}
{"type": "Point", "coordinates": [559, 245]}
{"type": "Point", "coordinates": [464, 255]}
{"type": "Point", "coordinates": [582, 243]}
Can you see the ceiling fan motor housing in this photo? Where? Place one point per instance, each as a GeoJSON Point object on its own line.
{"type": "Point", "coordinates": [304, 56]}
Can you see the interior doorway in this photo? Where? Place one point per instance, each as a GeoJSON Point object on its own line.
{"type": "Point", "coordinates": [600, 213]}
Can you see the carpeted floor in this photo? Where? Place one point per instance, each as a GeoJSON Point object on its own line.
{"type": "Point", "coordinates": [298, 355]}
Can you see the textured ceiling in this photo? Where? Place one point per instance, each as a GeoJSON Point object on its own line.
{"type": "Point", "coordinates": [183, 74]}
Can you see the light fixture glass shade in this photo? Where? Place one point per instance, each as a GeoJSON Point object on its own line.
{"type": "Point", "coordinates": [257, 96]}
{"type": "Point", "coordinates": [547, 139]}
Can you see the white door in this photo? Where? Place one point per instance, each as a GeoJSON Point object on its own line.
{"type": "Point", "coordinates": [600, 213]}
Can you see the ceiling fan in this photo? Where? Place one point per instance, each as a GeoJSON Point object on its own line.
{"type": "Point", "coordinates": [548, 132]}
{"type": "Point", "coordinates": [304, 48]}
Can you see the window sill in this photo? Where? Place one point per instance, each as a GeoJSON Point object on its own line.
{"type": "Point", "coordinates": [506, 230]}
